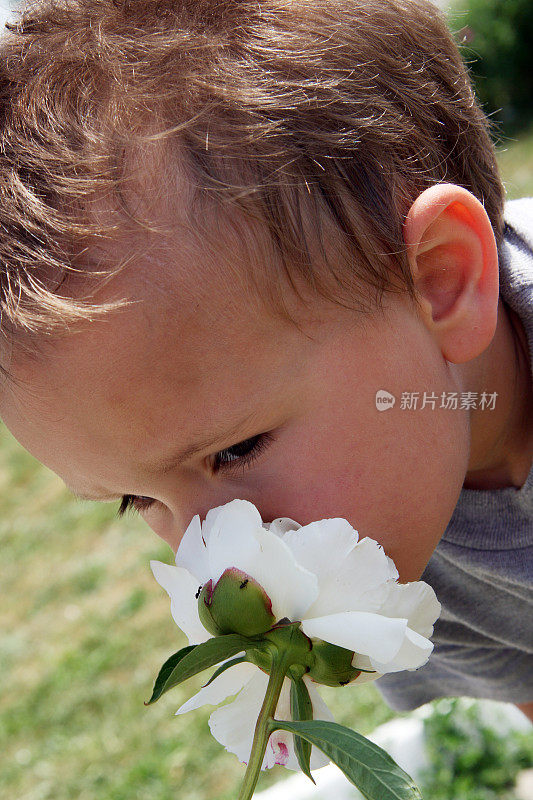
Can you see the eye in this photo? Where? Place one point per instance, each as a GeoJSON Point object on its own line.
{"type": "Point", "coordinates": [242, 454]}
{"type": "Point", "coordinates": [238, 455]}
{"type": "Point", "coordinates": [134, 502]}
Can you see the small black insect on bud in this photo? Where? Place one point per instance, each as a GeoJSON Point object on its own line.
{"type": "Point", "coordinates": [343, 683]}
{"type": "Point", "coordinates": [244, 584]}
{"type": "Point", "coordinates": [197, 595]}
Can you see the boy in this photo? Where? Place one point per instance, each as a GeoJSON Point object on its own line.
{"type": "Point", "coordinates": [228, 229]}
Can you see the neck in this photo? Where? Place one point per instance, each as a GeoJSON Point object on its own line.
{"type": "Point", "coordinates": [501, 450]}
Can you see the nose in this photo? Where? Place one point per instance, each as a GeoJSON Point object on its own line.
{"type": "Point", "coordinates": [171, 520]}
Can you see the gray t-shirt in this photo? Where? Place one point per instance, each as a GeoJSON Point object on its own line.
{"type": "Point", "coordinates": [482, 568]}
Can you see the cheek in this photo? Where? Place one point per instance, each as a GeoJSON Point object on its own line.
{"type": "Point", "coordinates": [396, 478]}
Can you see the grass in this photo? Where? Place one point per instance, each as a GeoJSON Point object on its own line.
{"type": "Point", "coordinates": [515, 157]}
{"type": "Point", "coordinates": [84, 628]}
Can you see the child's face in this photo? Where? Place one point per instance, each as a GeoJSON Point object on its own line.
{"type": "Point", "coordinates": [197, 358]}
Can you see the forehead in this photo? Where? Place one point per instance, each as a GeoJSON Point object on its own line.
{"type": "Point", "coordinates": [194, 350]}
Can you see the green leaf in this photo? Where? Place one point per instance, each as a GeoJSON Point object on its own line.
{"type": "Point", "coordinates": [301, 710]}
{"type": "Point", "coordinates": [194, 659]}
{"type": "Point", "coordinates": [365, 764]}
{"type": "Point", "coordinates": [223, 668]}
{"type": "Point", "coordinates": [166, 671]}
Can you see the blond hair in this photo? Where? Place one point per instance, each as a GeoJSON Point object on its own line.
{"type": "Point", "coordinates": [322, 120]}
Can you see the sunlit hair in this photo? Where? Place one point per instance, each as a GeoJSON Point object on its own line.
{"type": "Point", "coordinates": [318, 122]}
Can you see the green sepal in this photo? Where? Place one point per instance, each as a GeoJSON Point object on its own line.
{"type": "Point", "coordinates": [194, 659]}
{"type": "Point", "coordinates": [223, 668]}
{"type": "Point", "coordinates": [332, 665]}
{"type": "Point", "coordinates": [260, 654]}
{"type": "Point", "coordinates": [288, 637]}
{"type": "Point", "coordinates": [301, 710]}
{"type": "Point", "coordinates": [367, 766]}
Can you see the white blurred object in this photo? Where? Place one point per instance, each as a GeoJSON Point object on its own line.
{"type": "Point", "coordinates": [403, 739]}
{"type": "Point", "coordinates": [6, 12]}
{"type": "Point", "coordinates": [524, 785]}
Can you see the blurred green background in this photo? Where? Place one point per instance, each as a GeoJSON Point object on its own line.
{"type": "Point", "coordinates": [496, 38]}
{"type": "Point", "coordinates": [84, 628]}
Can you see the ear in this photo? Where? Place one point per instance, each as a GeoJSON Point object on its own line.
{"type": "Point", "coordinates": [454, 261]}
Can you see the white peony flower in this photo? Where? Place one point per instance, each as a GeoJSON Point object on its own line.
{"type": "Point", "coordinates": [344, 591]}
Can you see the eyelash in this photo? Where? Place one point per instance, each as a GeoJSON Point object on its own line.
{"type": "Point", "coordinates": [251, 450]}
{"type": "Point", "coordinates": [134, 502]}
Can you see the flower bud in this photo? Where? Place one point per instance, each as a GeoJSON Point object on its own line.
{"type": "Point", "coordinates": [332, 664]}
{"type": "Point", "coordinates": [237, 604]}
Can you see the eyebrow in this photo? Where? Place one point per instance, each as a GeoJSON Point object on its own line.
{"type": "Point", "coordinates": [168, 463]}
{"type": "Point", "coordinates": [88, 496]}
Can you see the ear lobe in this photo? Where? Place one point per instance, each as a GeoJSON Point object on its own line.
{"type": "Point", "coordinates": [454, 260]}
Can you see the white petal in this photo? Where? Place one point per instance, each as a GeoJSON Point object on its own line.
{"type": "Point", "coordinates": [369, 634]}
{"type": "Point", "coordinates": [192, 553]}
{"type": "Point", "coordinates": [291, 587]}
{"type": "Point", "coordinates": [357, 583]}
{"type": "Point", "coordinates": [351, 574]}
{"type": "Point", "coordinates": [233, 724]}
{"type": "Point", "coordinates": [394, 574]}
{"type": "Point", "coordinates": [229, 682]}
{"type": "Point", "coordinates": [281, 525]}
{"type": "Point", "coordinates": [282, 743]}
{"type": "Point", "coordinates": [181, 587]}
{"type": "Point", "coordinates": [240, 514]}
{"type": "Point", "coordinates": [366, 677]}
{"type": "Point", "coordinates": [231, 540]}
{"type": "Point", "coordinates": [364, 663]}
{"type": "Point", "coordinates": [310, 543]}
{"type": "Point", "coordinates": [361, 662]}
{"type": "Point", "coordinates": [278, 750]}
{"type": "Point", "coordinates": [416, 602]}
{"type": "Point", "coordinates": [265, 557]}
{"type": "Point", "coordinates": [414, 653]}
{"type": "Point", "coordinates": [320, 709]}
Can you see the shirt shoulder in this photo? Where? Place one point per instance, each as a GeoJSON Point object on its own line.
{"type": "Point", "coordinates": [518, 217]}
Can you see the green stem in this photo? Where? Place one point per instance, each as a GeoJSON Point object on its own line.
{"type": "Point", "coordinates": [280, 665]}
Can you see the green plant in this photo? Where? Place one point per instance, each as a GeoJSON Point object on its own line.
{"type": "Point", "coordinates": [470, 758]}
{"type": "Point", "coordinates": [495, 38]}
